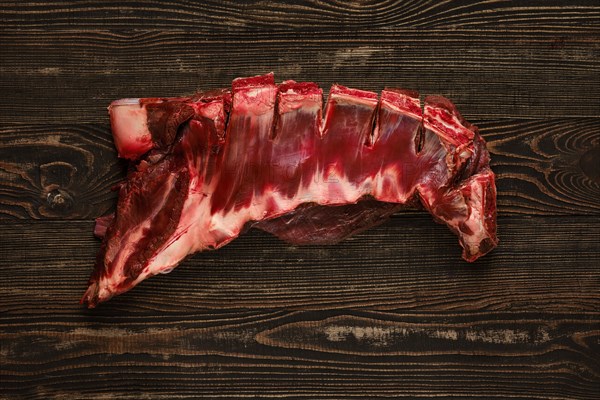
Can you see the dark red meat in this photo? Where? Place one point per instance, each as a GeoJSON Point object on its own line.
{"type": "Point", "coordinates": [207, 166]}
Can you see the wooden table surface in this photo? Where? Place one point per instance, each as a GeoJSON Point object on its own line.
{"type": "Point", "coordinates": [391, 312]}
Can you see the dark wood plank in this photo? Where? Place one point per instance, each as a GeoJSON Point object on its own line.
{"type": "Point", "coordinates": [307, 14]}
{"type": "Point", "coordinates": [392, 312]}
{"type": "Point", "coordinates": [73, 75]}
{"type": "Point", "coordinates": [63, 171]}
{"type": "Point", "coordinates": [277, 353]}
{"type": "Point", "coordinates": [57, 171]}
{"type": "Point", "coordinates": [549, 166]}
{"type": "Point", "coordinates": [542, 263]}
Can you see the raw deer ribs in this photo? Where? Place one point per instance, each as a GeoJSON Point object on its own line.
{"type": "Point", "coordinates": [205, 167]}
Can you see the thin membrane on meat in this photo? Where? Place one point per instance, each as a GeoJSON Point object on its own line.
{"type": "Point", "coordinates": [205, 167]}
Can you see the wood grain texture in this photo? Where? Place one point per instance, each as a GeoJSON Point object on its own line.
{"type": "Point", "coordinates": [544, 167]}
{"type": "Point", "coordinates": [549, 166]}
{"type": "Point", "coordinates": [278, 353]}
{"type": "Point", "coordinates": [57, 171]}
{"type": "Point", "coordinates": [76, 74]}
{"type": "Point", "coordinates": [525, 321]}
{"type": "Point", "coordinates": [542, 263]}
{"type": "Point", "coordinates": [308, 14]}
{"type": "Point", "coordinates": [393, 312]}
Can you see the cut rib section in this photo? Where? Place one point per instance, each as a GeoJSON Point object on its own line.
{"type": "Point", "coordinates": [205, 167]}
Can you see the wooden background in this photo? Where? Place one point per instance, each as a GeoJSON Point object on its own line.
{"type": "Point", "coordinates": [391, 312]}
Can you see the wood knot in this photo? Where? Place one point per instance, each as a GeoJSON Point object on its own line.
{"type": "Point", "coordinates": [590, 164]}
{"type": "Point", "coordinates": [59, 199]}
{"type": "Point", "coordinates": [57, 173]}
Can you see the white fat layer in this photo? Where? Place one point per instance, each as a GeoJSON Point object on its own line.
{"type": "Point", "coordinates": [129, 123]}
{"type": "Point", "coordinates": [472, 207]}
{"type": "Point", "coordinates": [290, 103]}
{"type": "Point", "coordinates": [398, 109]}
{"type": "Point", "coordinates": [385, 103]}
{"type": "Point", "coordinates": [124, 102]}
{"type": "Point", "coordinates": [475, 221]}
{"type": "Point", "coordinates": [255, 101]}
{"type": "Point", "coordinates": [343, 98]}
{"type": "Point", "coordinates": [453, 124]}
